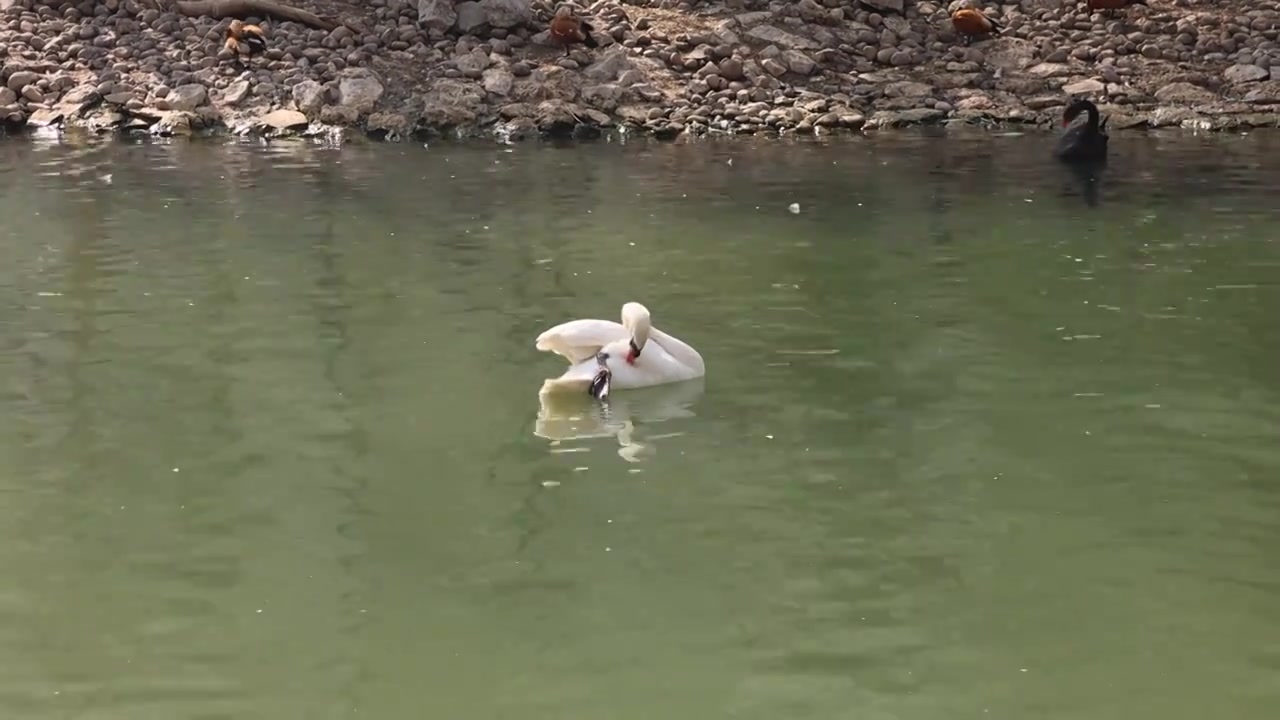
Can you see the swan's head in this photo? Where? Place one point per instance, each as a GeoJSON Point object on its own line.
{"type": "Point", "coordinates": [635, 318]}
{"type": "Point", "coordinates": [1074, 110]}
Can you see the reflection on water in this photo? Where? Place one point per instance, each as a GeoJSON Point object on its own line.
{"type": "Point", "coordinates": [981, 437]}
{"type": "Point", "coordinates": [627, 416]}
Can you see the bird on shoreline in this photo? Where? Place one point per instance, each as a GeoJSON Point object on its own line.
{"type": "Point", "coordinates": [1111, 6]}
{"type": "Point", "coordinates": [245, 39]}
{"type": "Point", "coordinates": [568, 30]}
{"type": "Point", "coordinates": [1085, 142]}
{"type": "Point", "coordinates": [970, 23]}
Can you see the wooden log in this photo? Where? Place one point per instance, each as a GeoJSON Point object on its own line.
{"type": "Point", "coordinates": [251, 8]}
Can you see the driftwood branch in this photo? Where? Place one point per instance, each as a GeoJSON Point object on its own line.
{"type": "Point", "coordinates": [251, 8]}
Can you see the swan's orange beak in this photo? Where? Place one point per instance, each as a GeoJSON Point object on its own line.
{"type": "Point", "coordinates": [632, 353]}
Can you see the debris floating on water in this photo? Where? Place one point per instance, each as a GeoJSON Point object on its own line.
{"type": "Point", "coordinates": [794, 208]}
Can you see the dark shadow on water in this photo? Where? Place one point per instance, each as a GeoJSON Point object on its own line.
{"type": "Point", "coordinates": [1086, 179]}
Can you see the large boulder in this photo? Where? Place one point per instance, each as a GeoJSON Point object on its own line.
{"type": "Point", "coordinates": [436, 14]}
{"type": "Point", "coordinates": [507, 13]}
{"type": "Point", "coordinates": [1237, 74]}
{"type": "Point", "coordinates": [359, 89]}
{"type": "Point", "coordinates": [451, 103]}
{"type": "Point", "coordinates": [470, 17]}
{"type": "Point", "coordinates": [186, 98]}
{"type": "Point", "coordinates": [308, 95]}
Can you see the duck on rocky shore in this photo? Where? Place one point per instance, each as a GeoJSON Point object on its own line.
{"type": "Point", "coordinates": [970, 23]}
{"type": "Point", "coordinates": [1084, 142]}
{"type": "Point", "coordinates": [567, 30]}
{"type": "Point", "coordinates": [245, 39]}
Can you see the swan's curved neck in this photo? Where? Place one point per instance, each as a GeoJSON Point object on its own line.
{"type": "Point", "coordinates": [1092, 111]}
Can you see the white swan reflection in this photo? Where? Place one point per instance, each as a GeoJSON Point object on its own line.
{"type": "Point", "coordinates": [565, 417]}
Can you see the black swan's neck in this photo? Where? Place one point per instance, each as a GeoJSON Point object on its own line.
{"type": "Point", "coordinates": [1092, 111]}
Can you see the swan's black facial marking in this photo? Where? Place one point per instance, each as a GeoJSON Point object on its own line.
{"type": "Point", "coordinates": [635, 352]}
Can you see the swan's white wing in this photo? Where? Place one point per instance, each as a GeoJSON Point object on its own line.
{"type": "Point", "coordinates": [579, 340]}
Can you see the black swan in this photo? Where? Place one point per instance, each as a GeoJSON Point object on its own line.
{"type": "Point", "coordinates": [1086, 142]}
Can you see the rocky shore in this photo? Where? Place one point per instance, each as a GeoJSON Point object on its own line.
{"type": "Point", "coordinates": [402, 68]}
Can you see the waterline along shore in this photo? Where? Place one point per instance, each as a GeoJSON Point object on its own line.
{"type": "Point", "coordinates": [397, 69]}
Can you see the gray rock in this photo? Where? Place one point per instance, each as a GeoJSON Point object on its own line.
{"type": "Point", "coordinates": [7, 96]}
{"type": "Point", "coordinates": [173, 123]}
{"type": "Point", "coordinates": [781, 38]}
{"type": "Point", "coordinates": [907, 89]}
{"type": "Point", "coordinates": [605, 97]}
{"type": "Point", "coordinates": [391, 125]}
{"type": "Point", "coordinates": [473, 63]}
{"type": "Point", "coordinates": [283, 119]}
{"type": "Point", "coordinates": [437, 14]}
{"type": "Point", "coordinates": [498, 81]}
{"type": "Point", "coordinates": [798, 62]}
{"type": "Point", "coordinates": [886, 5]}
{"type": "Point", "coordinates": [548, 83]}
{"type": "Point", "coordinates": [471, 17]}
{"type": "Point", "coordinates": [308, 95]}
{"type": "Point", "coordinates": [44, 117]}
{"type": "Point", "coordinates": [77, 100]}
{"type": "Point", "coordinates": [359, 89]}
{"type": "Point", "coordinates": [631, 77]}
{"type": "Point", "coordinates": [731, 69]}
{"type": "Point", "coordinates": [1084, 87]}
{"type": "Point", "coordinates": [507, 13]}
{"type": "Point", "coordinates": [1048, 70]}
{"type": "Point", "coordinates": [1263, 93]}
{"type": "Point", "coordinates": [21, 79]}
{"type": "Point", "coordinates": [1237, 74]}
{"type": "Point", "coordinates": [773, 67]}
{"type": "Point", "coordinates": [452, 103]}
{"type": "Point", "coordinates": [892, 118]}
{"type": "Point", "coordinates": [609, 66]}
{"type": "Point", "coordinates": [237, 91]}
{"type": "Point", "coordinates": [186, 98]}
{"type": "Point", "coordinates": [1184, 93]}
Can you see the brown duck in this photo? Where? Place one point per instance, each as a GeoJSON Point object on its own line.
{"type": "Point", "coordinates": [568, 30]}
{"type": "Point", "coordinates": [245, 39]}
{"type": "Point", "coordinates": [970, 23]}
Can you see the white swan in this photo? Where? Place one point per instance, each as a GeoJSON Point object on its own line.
{"type": "Point", "coordinates": [633, 354]}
